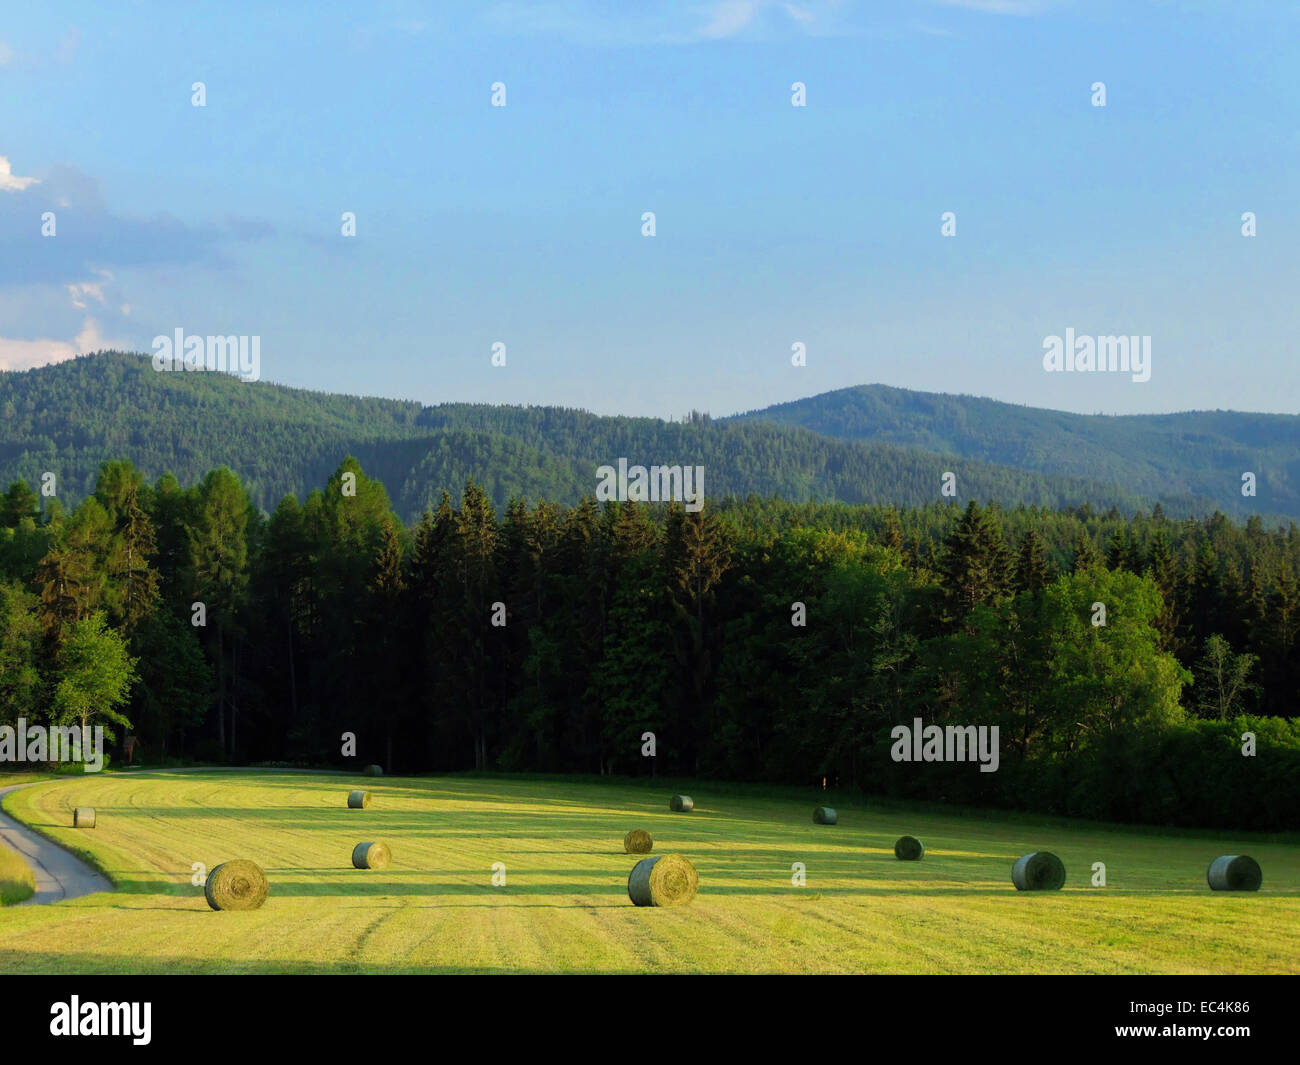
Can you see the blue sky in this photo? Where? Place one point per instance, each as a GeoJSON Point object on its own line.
{"type": "Point", "coordinates": [775, 224]}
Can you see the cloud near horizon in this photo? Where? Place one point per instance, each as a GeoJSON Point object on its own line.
{"type": "Point", "coordinates": [48, 278]}
{"type": "Point", "coordinates": [29, 354]}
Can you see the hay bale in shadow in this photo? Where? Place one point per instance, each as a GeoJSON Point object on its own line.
{"type": "Point", "coordinates": [1234, 872]}
{"type": "Point", "coordinates": [1038, 871]}
{"type": "Point", "coordinates": [909, 849]}
{"type": "Point", "coordinates": [638, 841]}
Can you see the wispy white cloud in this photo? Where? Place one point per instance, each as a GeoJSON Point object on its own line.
{"type": "Point", "coordinates": [1002, 7]}
{"type": "Point", "coordinates": [591, 23]}
{"type": "Point", "coordinates": [11, 182]}
{"type": "Point", "coordinates": [728, 18]}
{"type": "Point", "coordinates": [596, 24]}
{"type": "Point", "coordinates": [81, 290]}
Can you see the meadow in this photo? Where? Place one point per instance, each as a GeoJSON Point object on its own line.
{"type": "Point", "coordinates": [16, 880]}
{"type": "Point", "coordinates": [564, 905]}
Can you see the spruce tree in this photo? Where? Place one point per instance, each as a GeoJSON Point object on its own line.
{"type": "Point", "coordinates": [1033, 572]}
{"type": "Point", "coordinates": [976, 566]}
{"type": "Point", "coordinates": [18, 502]}
{"type": "Point", "coordinates": [1086, 554]}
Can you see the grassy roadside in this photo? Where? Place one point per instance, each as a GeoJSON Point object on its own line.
{"type": "Point", "coordinates": [16, 881]}
{"type": "Point", "coordinates": [8, 779]}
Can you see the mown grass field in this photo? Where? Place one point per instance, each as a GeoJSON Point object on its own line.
{"type": "Point", "coordinates": [564, 907]}
{"type": "Point", "coordinates": [16, 881]}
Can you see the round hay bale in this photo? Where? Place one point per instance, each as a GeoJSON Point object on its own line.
{"type": "Point", "coordinates": [371, 856]}
{"type": "Point", "coordinates": [1038, 871]}
{"type": "Point", "coordinates": [374, 771]}
{"type": "Point", "coordinates": [681, 804]}
{"type": "Point", "coordinates": [237, 885]}
{"type": "Point", "coordinates": [825, 815]}
{"type": "Point", "coordinates": [909, 849]}
{"type": "Point", "coordinates": [669, 880]}
{"type": "Point", "coordinates": [83, 817]}
{"type": "Point", "coordinates": [1234, 872]}
{"type": "Point", "coordinates": [358, 800]}
{"type": "Point", "coordinates": [638, 841]}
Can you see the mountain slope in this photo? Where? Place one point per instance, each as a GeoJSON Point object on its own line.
{"type": "Point", "coordinates": [1186, 456]}
{"type": "Point", "coordinates": [70, 417]}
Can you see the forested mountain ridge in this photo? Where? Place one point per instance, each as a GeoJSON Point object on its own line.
{"type": "Point", "coordinates": [70, 417]}
{"type": "Point", "coordinates": [1189, 455]}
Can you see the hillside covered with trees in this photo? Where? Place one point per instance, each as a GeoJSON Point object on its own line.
{"type": "Point", "coordinates": [1191, 462]}
{"type": "Point", "coordinates": [68, 418]}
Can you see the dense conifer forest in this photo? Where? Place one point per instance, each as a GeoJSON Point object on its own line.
{"type": "Point", "coordinates": [758, 639]}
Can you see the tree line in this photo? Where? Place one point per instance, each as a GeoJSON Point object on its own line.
{"type": "Point", "coordinates": [756, 640]}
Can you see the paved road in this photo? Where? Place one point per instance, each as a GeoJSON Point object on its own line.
{"type": "Point", "coordinates": [59, 874]}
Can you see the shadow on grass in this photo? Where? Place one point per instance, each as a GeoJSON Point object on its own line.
{"type": "Point", "coordinates": [413, 818]}
{"type": "Point", "coordinates": [389, 882]}
{"type": "Point", "coordinates": [86, 964]}
{"type": "Point", "coordinates": [724, 793]}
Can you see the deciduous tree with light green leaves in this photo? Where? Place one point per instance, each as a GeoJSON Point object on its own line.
{"type": "Point", "coordinates": [95, 676]}
{"type": "Point", "coordinates": [1111, 677]}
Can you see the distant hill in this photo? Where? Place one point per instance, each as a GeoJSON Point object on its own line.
{"type": "Point", "coordinates": [858, 445]}
{"type": "Point", "coordinates": [1183, 459]}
